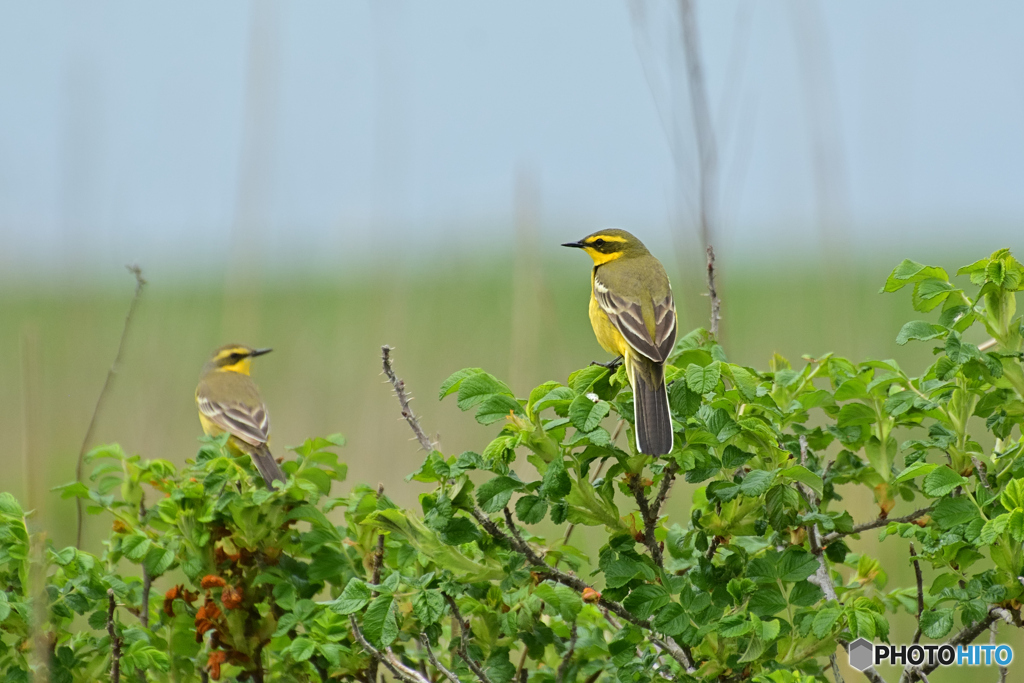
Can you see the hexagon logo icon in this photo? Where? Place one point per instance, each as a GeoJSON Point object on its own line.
{"type": "Point", "coordinates": [862, 654]}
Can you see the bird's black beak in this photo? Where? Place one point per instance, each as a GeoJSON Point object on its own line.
{"type": "Point", "coordinates": [259, 352]}
{"type": "Point", "coordinates": [577, 245]}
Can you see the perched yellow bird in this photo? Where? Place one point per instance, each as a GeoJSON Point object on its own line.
{"type": "Point", "coordinates": [634, 317]}
{"type": "Point", "coordinates": [229, 401]}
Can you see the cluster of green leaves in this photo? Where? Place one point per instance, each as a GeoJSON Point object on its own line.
{"type": "Point", "coordinates": [486, 581]}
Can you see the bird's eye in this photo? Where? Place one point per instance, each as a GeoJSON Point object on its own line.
{"type": "Point", "coordinates": [599, 242]}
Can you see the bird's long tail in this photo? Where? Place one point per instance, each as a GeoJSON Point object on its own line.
{"type": "Point", "coordinates": [265, 463]}
{"type": "Point", "coordinates": [650, 405]}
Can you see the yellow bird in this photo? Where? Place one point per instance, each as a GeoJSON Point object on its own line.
{"type": "Point", "coordinates": [229, 401]}
{"type": "Point", "coordinates": [634, 317]}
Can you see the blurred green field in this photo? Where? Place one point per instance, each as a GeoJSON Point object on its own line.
{"type": "Point", "coordinates": [525, 325]}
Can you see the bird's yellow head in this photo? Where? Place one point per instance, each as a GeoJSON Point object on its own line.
{"type": "Point", "coordinates": [233, 358]}
{"type": "Point", "coordinates": [608, 245]}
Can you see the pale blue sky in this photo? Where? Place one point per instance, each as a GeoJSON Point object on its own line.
{"type": "Point", "coordinates": [122, 125]}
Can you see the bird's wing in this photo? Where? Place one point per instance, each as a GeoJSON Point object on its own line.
{"type": "Point", "coordinates": [248, 422]}
{"type": "Point", "coordinates": [628, 317]}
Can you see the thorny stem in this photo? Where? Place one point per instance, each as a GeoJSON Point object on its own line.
{"type": "Point", "coordinates": [920, 592]}
{"type": "Point", "coordinates": [425, 641]}
{"type": "Point", "coordinates": [101, 399]}
{"type": "Point", "coordinates": [115, 641]}
{"type": "Point", "coordinates": [404, 673]}
{"type": "Point", "coordinates": [564, 666]}
{"type": "Point", "coordinates": [463, 647]}
{"type": "Point", "coordinates": [377, 561]}
{"type": "Point", "coordinates": [876, 523]}
{"type": "Point", "coordinates": [403, 400]}
{"type": "Point", "coordinates": [649, 519]}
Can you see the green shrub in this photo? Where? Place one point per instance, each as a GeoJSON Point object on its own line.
{"type": "Point", "coordinates": [760, 582]}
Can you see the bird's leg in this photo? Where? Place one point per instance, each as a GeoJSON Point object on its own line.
{"type": "Point", "coordinates": [611, 365]}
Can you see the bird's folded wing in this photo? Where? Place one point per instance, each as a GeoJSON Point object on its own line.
{"type": "Point", "coordinates": [628, 318]}
{"type": "Point", "coordinates": [251, 424]}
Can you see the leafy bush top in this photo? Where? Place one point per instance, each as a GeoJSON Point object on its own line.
{"type": "Point", "coordinates": [484, 582]}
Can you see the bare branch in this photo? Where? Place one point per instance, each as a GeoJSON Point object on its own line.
{"type": "Point", "coordinates": [376, 561]}
{"type": "Point", "coordinates": [666, 486]}
{"type": "Point", "coordinates": [115, 640]}
{"type": "Point", "coordinates": [980, 469]}
{"type": "Point", "coordinates": [964, 637]}
{"type": "Point", "coordinates": [404, 673]}
{"type": "Point", "coordinates": [101, 399]}
{"type": "Point", "coordinates": [403, 400]}
{"type": "Point", "coordinates": [876, 523]}
{"type": "Point", "coordinates": [564, 666]}
{"type": "Point", "coordinates": [716, 303]}
{"type": "Point", "coordinates": [648, 518]}
{"type": "Point", "coordinates": [463, 647]}
{"type": "Point", "coordinates": [920, 592]}
{"type": "Point", "coordinates": [433, 660]}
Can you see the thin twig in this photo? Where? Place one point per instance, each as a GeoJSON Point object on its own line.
{"type": "Point", "coordinates": [376, 561]}
{"type": "Point", "coordinates": [564, 666]}
{"type": "Point", "coordinates": [147, 581]}
{"type": "Point", "coordinates": [716, 303]}
{"type": "Point", "coordinates": [980, 469]}
{"type": "Point", "coordinates": [992, 641]}
{"type": "Point", "coordinates": [139, 283]}
{"type": "Point", "coordinates": [666, 486]}
{"type": "Point", "coordinates": [425, 641]}
{"type": "Point", "coordinates": [963, 637]}
{"type": "Point", "coordinates": [649, 520]}
{"type": "Point", "coordinates": [115, 641]}
{"type": "Point", "coordinates": [835, 668]}
{"type": "Point", "coordinates": [920, 592]}
{"type": "Point", "coordinates": [403, 400]}
{"type": "Point", "coordinates": [463, 646]}
{"type": "Point", "coordinates": [408, 675]}
{"type": "Point", "coordinates": [876, 523]}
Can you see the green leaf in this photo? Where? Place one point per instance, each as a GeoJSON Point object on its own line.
{"type": "Point", "coordinates": [497, 407]}
{"type": "Point", "coordinates": [919, 330]}
{"type": "Point", "coordinates": [644, 600]}
{"type": "Point", "coordinates": [909, 272]}
{"type": "Point", "coordinates": [915, 470]}
{"type": "Point", "coordinates": [796, 564]}
{"type": "Point", "coordinates": [950, 512]}
{"type": "Point", "coordinates": [531, 509]}
{"type": "Point", "coordinates": [428, 606]}
{"type": "Point", "coordinates": [806, 477]}
{"type": "Point", "coordinates": [586, 413]}
{"type": "Point", "coordinates": [745, 381]}
{"type": "Point", "coordinates": [767, 601]}
{"type": "Point", "coordinates": [355, 596]}
{"type": "Point", "coordinates": [703, 380]}
{"type": "Point", "coordinates": [454, 381]}
{"type": "Point", "coordinates": [620, 572]}
{"type": "Point", "coordinates": [683, 401]}
{"type": "Point", "coordinates": [379, 623]}
{"type": "Point", "coordinates": [475, 389]}
{"type": "Point", "coordinates": [671, 619]}
{"type": "Point", "coordinates": [855, 414]}
{"type": "Point", "coordinates": [1012, 496]}
{"type": "Point", "coordinates": [941, 481]}
{"type": "Point", "coordinates": [493, 495]}
{"type": "Point", "coordinates": [756, 483]}
{"type": "Point", "coordinates": [936, 623]}
{"type": "Point", "coordinates": [135, 547]}
{"type": "Point", "coordinates": [556, 482]}
{"type": "Point", "coordinates": [301, 649]}
{"type": "Point", "coordinates": [824, 621]}
{"type": "Point", "coordinates": [158, 560]}
{"type": "Point", "coordinates": [881, 459]}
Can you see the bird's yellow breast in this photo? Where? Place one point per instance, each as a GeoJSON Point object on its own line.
{"type": "Point", "coordinates": [610, 339]}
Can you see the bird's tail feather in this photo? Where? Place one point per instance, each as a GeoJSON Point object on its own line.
{"type": "Point", "coordinates": [650, 405]}
{"type": "Point", "coordinates": [268, 467]}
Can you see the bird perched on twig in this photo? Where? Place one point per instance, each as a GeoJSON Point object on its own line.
{"type": "Point", "coordinates": [634, 317]}
{"type": "Point", "coordinates": [229, 401]}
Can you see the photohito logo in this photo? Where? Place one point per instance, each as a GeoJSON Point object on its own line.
{"type": "Point", "coordinates": [865, 654]}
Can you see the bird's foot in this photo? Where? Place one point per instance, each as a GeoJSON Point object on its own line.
{"type": "Point", "coordinates": [611, 365]}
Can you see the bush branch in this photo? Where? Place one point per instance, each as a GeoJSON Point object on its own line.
{"type": "Point", "coordinates": [425, 641]}
{"type": "Point", "coordinates": [920, 592]}
{"type": "Point", "coordinates": [115, 641]}
{"type": "Point", "coordinates": [876, 523]}
{"type": "Point", "coordinates": [649, 518]}
{"type": "Point", "coordinates": [463, 646]}
{"type": "Point", "coordinates": [101, 399]}
{"type": "Point", "coordinates": [564, 666]}
{"type": "Point", "coordinates": [964, 637]}
{"type": "Point", "coordinates": [400, 672]}
{"type": "Point", "coordinates": [403, 400]}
